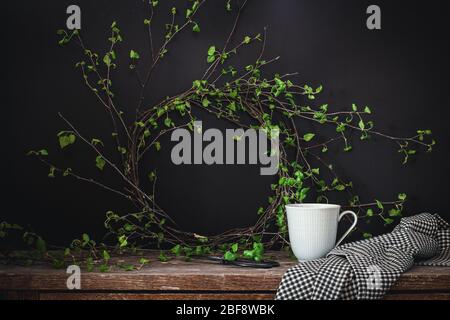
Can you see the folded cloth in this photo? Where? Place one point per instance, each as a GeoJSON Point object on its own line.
{"type": "Point", "coordinates": [367, 269]}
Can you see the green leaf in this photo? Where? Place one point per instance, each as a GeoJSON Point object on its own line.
{"type": "Point", "coordinates": [247, 40]}
{"type": "Point", "coordinates": [232, 106]}
{"type": "Point", "coordinates": [152, 176]}
{"type": "Point", "coordinates": [134, 55]}
{"type": "Point", "coordinates": [106, 256]}
{"type": "Point", "coordinates": [395, 212]}
{"type": "Point", "coordinates": [37, 153]}
{"type": "Point", "coordinates": [367, 235]}
{"type": "Point", "coordinates": [324, 108]}
{"type": "Point", "coordinates": [97, 142]}
{"type": "Point", "coordinates": [157, 145]}
{"type": "Point", "coordinates": [160, 112]}
{"type": "Point", "coordinates": [348, 148]}
{"type": "Point", "coordinates": [228, 5]}
{"type": "Point", "coordinates": [369, 213]}
{"type": "Point", "coordinates": [176, 250]}
{"type": "Point", "coordinates": [354, 107]}
{"type": "Point", "coordinates": [402, 196]}
{"type": "Point", "coordinates": [144, 261]}
{"type": "Point", "coordinates": [249, 254]}
{"type": "Point", "coordinates": [42, 152]}
{"type": "Point", "coordinates": [235, 247]}
{"type": "Point", "coordinates": [211, 51]}
{"type": "Point", "coordinates": [107, 60]}
{"type": "Point", "coordinates": [367, 110]}
{"type": "Point", "coordinates": [100, 162]}
{"type": "Point", "coordinates": [340, 127]}
{"type": "Point", "coordinates": [304, 194]}
{"type": "Point", "coordinates": [162, 257]}
{"type": "Point", "coordinates": [388, 220]}
{"type": "Point", "coordinates": [258, 251]}
{"type": "Point", "coordinates": [205, 102]}
{"type": "Point", "coordinates": [66, 139]}
{"type": "Point", "coordinates": [362, 125]}
{"type": "Point", "coordinates": [168, 122]}
{"type": "Point", "coordinates": [123, 241]}
{"type": "Point", "coordinates": [127, 267]}
{"type": "Point", "coordinates": [309, 136]}
{"type": "Point", "coordinates": [211, 54]}
{"type": "Point", "coordinates": [85, 237]}
{"type": "Point", "coordinates": [229, 256]}
{"type": "Point", "coordinates": [379, 204]}
{"type": "Point", "coordinates": [196, 27]}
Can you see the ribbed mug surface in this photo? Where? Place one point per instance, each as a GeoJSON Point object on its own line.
{"type": "Point", "coordinates": [313, 228]}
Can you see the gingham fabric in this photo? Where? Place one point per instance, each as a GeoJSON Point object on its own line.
{"type": "Point", "coordinates": [367, 269]}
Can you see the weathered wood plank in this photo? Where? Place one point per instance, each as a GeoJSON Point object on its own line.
{"type": "Point", "coordinates": [418, 296]}
{"type": "Point", "coordinates": [156, 296]}
{"type": "Point", "coordinates": [174, 275]}
{"type": "Point", "coordinates": [27, 295]}
{"type": "Point", "coordinates": [424, 278]}
{"type": "Point", "coordinates": [211, 296]}
{"type": "Point", "coordinates": [143, 282]}
{"type": "Point", "coordinates": [178, 275]}
{"type": "Point", "coordinates": [19, 295]}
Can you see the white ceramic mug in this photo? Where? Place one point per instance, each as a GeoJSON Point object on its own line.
{"type": "Point", "coordinates": [313, 228]}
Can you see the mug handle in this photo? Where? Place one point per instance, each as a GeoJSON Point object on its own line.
{"type": "Point", "coordinates": [352, 226]}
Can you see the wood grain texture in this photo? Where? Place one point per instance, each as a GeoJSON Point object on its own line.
{"type": "Point", "coordinates": [418, 296]}
{"type": "Point", "coordinates": [156, 296]}
{"type": "Point", "coordinates": [174, 275]}
{"type": "Point", "coordinates": [178, 279]}
{"type": "Point", "coordinates": [424, 278]}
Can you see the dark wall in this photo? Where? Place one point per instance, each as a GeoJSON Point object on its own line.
{"type": "Point", "coordinates": [401, 71]}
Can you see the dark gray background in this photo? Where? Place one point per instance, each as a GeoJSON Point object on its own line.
{"type": "Point", "coordinates": [400, 71]}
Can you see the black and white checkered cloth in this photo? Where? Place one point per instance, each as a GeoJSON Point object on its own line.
{"type": "Point", "coordinates": [367, 269]}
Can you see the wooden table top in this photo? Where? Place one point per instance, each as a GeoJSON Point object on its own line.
{"type": "Point", "coordinates": [195, 275]}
